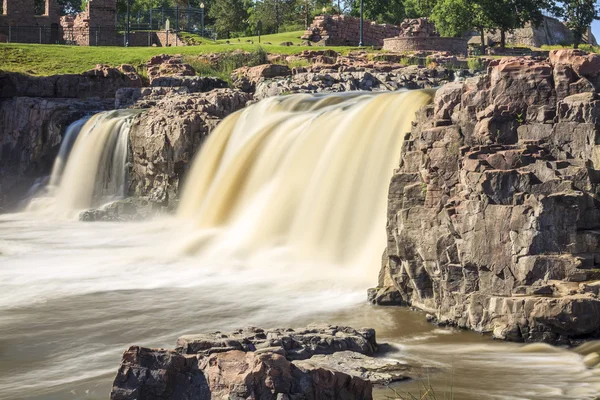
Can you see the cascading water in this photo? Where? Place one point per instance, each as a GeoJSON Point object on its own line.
{"type": "Point", "coordinates": [298, 181]}
{"type": "Point", "coordinates": [90, 169]}
{"type": "Point", "coordinates": [309, 174]}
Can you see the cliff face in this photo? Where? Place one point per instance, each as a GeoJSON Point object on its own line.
{"type": "Point", "coordinates": [494, 219]}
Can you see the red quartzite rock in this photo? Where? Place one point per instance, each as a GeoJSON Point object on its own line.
{"type": "Point", "coordinates": [493, 214]}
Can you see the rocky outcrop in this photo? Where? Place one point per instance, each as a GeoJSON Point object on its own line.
{"type": "Point", "coordinates": [166, 65]}
{"type": "Point", "coordinates": [165, 138]}
{"type": "Point", "coordinates": [30, 135]}
{"type": "Point", "coordinates": [493, 215]}
{"type": "Point", "coordinates": [316, 362]}
{"type": "Point", "coordinates": [100, 82]}
{"type": "Point", "coordinates": [163, 86]}
{"type": "Point", "coordinates": [330, 81]}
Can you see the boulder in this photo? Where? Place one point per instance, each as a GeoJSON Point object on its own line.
{"type": "Point", "coordinates": [335, 363]}
{"type": "Point", "coordinates": [166, 65]}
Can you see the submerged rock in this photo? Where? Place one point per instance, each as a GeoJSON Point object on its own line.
{"type": "Point", "coordinates": [243, 364]}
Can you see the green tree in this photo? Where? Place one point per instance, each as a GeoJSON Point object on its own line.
{"type": "Point", "coordinates": [579, 15]}
{"type": "Point", "coordinates": [507, 15]}
{"type": "Point", "coordinates": [382, 11]}
{"type": "Point", "coordinates": [229, 16]}
{"type": "Point", "coordinates": [455, 17]}
{"type": "Point", "coordinates": [419, 8]}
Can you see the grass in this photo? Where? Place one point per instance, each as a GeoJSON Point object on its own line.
{"type": "Point", "coordinates": [586, 47]}
{"type": "Point", "coordinates": [227, 63]}
{"type": "Point", "coordinates": [37, 59]}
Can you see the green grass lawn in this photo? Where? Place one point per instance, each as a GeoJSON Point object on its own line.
{"type": "Point", "coordinates": [55, 59]}
{"type": "Point", "coordinates": [275, 39]}
{"type": "Point", "coordinates": [586, 47]}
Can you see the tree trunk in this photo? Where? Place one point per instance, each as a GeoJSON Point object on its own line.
{"type": "Point", "coordinates": [503, 40]}
{"type": "Point", "coordinates": [306, 17]}
{"type": "Point", "coordinates": [482, 35]}
{"type": "Point", "coordinates": [576, 39]}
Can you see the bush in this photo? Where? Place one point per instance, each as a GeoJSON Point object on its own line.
{"type": "Point", "coordinates": [227, 63]}
{"type": "Point", "coordinates": [475, 63]}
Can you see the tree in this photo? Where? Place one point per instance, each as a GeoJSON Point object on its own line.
{"type": "Point", "coordinates": [455, 17]}
{"type": "Point", "coordinates": [579, 15]}
{"type": "Point", "coordinates": [382, 11]}
{"type": "Point", "coordinates": [229, 16]}
{"type": "Point", "coordinates": [419, 8]}
{"type": "Point", "coordinates": [507, 15]}
{"type": "Point", "coordinates": [69, 6]}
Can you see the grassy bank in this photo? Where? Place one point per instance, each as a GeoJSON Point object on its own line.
{"type": "Point", "coordinates": [54, 59]}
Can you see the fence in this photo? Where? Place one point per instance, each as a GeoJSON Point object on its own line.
{"type": "Point", "coordinates": [181, 19]}
{"type": "Point", "coordinates": [52, 34]}
{"type": "Point", "coordinates": [94, 36]}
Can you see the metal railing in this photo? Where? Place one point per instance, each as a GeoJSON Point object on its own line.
{"type": "Point", "coordinates": [181, 19]}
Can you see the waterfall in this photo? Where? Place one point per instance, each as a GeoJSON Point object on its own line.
{"type": "Point", "coordinates": [302, 173]}
{"type": "Point", "coordinates": [66, 146]}
{"type": "Point", "coordinates": [90, 169]}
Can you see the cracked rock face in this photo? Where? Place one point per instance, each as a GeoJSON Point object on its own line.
{"type": "Point", "coordinates": [493, 217]}
{"type": "Point", "coordinates": [319, 362]}
{"type": "Point", "coordinates": [165, 138]}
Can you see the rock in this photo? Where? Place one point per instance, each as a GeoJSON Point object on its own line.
{"type": "Point", "coordinates": [100, 82]}
{"type": "Point", "coordinates": [164, 374]}
{"type": "Point", "coordinates": [246, 78]}
{"type": "Point", "coordinates": [31, 131]}
{"type": "Point", "coordinates": [167, 65]}
{"type": "Point", "coordinates": [374, 370]}
{"type": "Point", "coordinates": [165, 138]}
{"type": "Point", "coordinates": [242, 365]}
{"type": "Point", "coordinates": [584, 64]}
{"type": "Point", "coordinates": [297, 344]}
{"type": "Point", "coordinates": [147, 97]}
{"type": "Point", "coordinates": [492, 214]}
{"type": "Point", "coordinates": [130, 209]}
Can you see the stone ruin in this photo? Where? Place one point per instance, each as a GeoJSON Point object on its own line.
{"type": "Point", "coordinates": [418, 27]}
{"type": "Point", "coordinates": [419, 34]}
{"type": "Point", "coordinates": [343, 30]}
{"type": "Point", "coordinates": [96, 26]}
{"type": "Point", "coordinates": [19, 20]}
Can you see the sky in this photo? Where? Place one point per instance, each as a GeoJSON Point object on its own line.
{"type": "Point", "coordinates": [596, 29]}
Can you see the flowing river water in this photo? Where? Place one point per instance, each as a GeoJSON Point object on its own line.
{"type": "Point", "coordinates": [281, 223]}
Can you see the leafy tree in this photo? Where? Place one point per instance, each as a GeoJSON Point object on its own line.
{"type": "Point", "coordinates": [579, 15]}
{"type": "Point", "coordinates": [229, 16]}
{"type": "Point", "coordinates": [507, 15]}
{"type": "Point", "coordinates": [382, 11]}
{"type": "Point", "coordinates": [419, 8]}
{"type": "Point", "coordinates": [455, 17]}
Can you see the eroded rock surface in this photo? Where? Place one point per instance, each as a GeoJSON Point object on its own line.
{"type": "Point", "coordinates": [260, 364]}
{"type": "Point", "coordinates": [494, 219]}
{"type": "Point", "coordinates": [296, 344]}
{"type": "Point", "coordinates": [165, 138]}
{"type": "Point", "coordinates": [31, 131]}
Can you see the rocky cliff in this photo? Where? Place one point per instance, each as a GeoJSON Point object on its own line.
{"type": "Point", "coordinates": [494, 219]}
